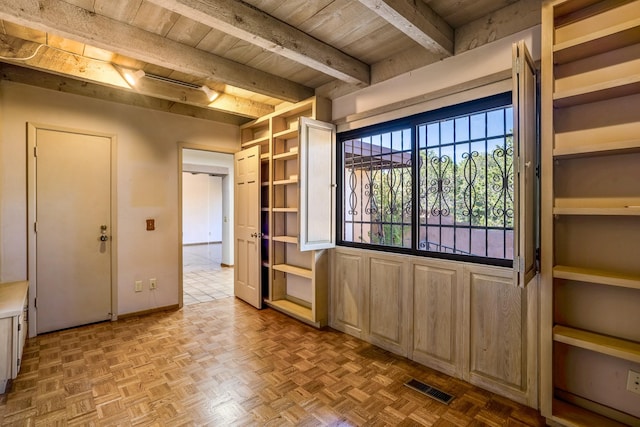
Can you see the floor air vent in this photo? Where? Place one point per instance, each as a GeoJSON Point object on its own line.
{"type": "Point", "coordinates": [430, 391]}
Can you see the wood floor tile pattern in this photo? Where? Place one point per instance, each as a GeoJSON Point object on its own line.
{"type": "Point", "coordinates": [224, 363]}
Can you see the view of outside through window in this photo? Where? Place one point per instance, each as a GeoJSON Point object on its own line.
{"type": "Point", "coordinates": [448, 185]}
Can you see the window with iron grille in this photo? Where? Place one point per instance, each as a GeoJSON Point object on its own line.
{"type": "Point", "coordinates": [438, 184]}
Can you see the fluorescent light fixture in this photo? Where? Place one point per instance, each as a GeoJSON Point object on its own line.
{"type": "Point", "coordinates": [211, 94]}
{"type": "Point", "coordinates": [132, 76]}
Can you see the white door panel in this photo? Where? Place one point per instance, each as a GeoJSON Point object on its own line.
{"type": "Point", "coordinates": [72, 204]}
{"type": "Point", "coordinates": [247, 284]}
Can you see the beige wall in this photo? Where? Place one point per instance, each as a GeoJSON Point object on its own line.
{"type": "Point", "coordinates": [406, 94]}
{"type": "Point", "coordinates": [147, 182]}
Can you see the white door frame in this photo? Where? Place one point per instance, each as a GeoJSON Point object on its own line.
{"type": "Point", "coordinates": [32, 129]}
{"type": "Point", "coordinates": [200, 147]}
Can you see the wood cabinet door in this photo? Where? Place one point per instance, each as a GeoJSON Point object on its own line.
{"type": "Point", "coordinates": [317, 163]}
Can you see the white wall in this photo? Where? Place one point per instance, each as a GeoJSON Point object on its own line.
{"type": "Point", "coordinates": [208, 158]}
{"type": "Point", "coordinates": [201, 208]}
{"type": "Point", "coordinates": [147, 182]}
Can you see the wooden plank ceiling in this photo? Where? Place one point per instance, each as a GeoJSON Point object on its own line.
{"type": "Point", "coordinates": [256, 54]}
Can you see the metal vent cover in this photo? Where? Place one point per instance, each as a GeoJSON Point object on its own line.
{"type": "Point", "coordinates": [430, 391]}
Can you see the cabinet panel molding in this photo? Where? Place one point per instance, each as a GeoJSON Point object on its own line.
{"type": "Point", "coordinates": [387, 296]}
{"type": "Point", "coordinates": [497, 334]}
{"type": "Point", "coordinates": [348, 293]}
{"type": "Point", "coordinates": [435, 317]}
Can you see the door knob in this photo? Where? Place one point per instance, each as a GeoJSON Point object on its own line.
{"type": "Point", "coordinates": [103, 233]}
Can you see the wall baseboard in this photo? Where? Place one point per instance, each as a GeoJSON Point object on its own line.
{"type": "Point", "coordinates": [202, 243]}
{"type": "Point", "coordinates": [172, 307]}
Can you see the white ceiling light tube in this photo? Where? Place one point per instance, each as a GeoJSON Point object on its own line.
{"type": "Point", "coordinates": [132, 76]}
{"type": "Point", "coordinates": [211, 94]}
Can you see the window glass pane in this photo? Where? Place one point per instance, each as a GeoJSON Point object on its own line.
{"type": "Point", "coordinates": [433, 134]}
{"type": "Point", "coordinates": [378, 189]}
{"type": "Point", "coordinates": [478, 126]}
{"type": "Point", "coordinates": [466, 188]}
{"type": "Point", "coordinates": [446, 132]}
{"type": "Point", "coordinates": [495, 123]}
{"type": "Point", "coordinates": [462, 129]}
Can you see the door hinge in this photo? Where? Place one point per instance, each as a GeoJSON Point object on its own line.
{"type": "Point", "coordinates": [516, 264]}
{"type": "Point", "coordinates": [35, 227]}
{"type": "Point", "coordinates": [19, 327]}
{"type": "Point", "coordinates": [35, 303]}
{"type": "Point", "coordinates": [18, 362]}
{"type": "Point", "coordinates": [518, 65]}
{"type": "Point", "coordinates": [35, 151]}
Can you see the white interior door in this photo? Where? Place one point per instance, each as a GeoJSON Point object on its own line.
{"type": "Point", "coordinates": [72, 228]}
{"type": "Point", "coordinates": [247, 227]}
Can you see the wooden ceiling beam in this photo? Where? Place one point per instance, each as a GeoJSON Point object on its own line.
{"type": "Point", "coordinates": [32, 77]}
{"type": "Point", "coordinates": [256, 27]}
{"type": "Point", "coordinates": [57, 61]}
{"type": "Point", "coordinates": [64, 19]}
{"type": "Point", "coordinates": [418, 21]}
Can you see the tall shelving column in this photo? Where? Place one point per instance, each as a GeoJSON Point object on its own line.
{"type": "Point", "coordinates": [296, 282]}
{"type": "Point", "coordinates": [299, 280]}
{"type": "Point", "coordinates": [590, 296]}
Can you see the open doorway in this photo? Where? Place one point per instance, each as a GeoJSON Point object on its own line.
{"type": "Point", "coordinates": [207, 225]}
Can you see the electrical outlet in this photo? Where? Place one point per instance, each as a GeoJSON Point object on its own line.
{"type": "Point", "coordinates": [633, 381]}
{"type": "Point", "coordinates": [138, 286]}
{"type": "Point", "coordinates": [153, 284]}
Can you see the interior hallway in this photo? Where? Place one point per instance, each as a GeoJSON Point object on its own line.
{"type": "Point", "coordinates": [225, 363]}
{"type": "Point", "coordinates": [204, 279]}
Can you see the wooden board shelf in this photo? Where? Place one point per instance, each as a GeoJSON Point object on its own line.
{"type": "Point", "coordinates": [286, 134]}
{"type": "Point", "coordinates": [616, 347]}
{"type": "Point", "coordinates": [568, 414]}
{"type": "Point", "coordinates": [291, 154]}
{"type": "Point", "coordinates": [264, 157]}
{"type": "Point", "coordinates": [615, 37]}
{"type": "Point", "coordinates": [258, 141]}
{"type": "Point", "coordinates": [297, 311]}
{"type": "Point", "coordinates": [286, 181]}
{"type": "Point", "coordinates": [601, 277]}
{"type": "Point", "coordinates": [286, 239]}
{"type": "Point", "coordinates": [597, 206]}
{"type": "Point", "coordinates": [619, 211]}
{"type": "Point", "coordinates": [610, 89]}
{"type": "Point", "coordinates": [292, 269]}
{"type": "Point", "coordinates": [294, 210]}
{"type": "Point", "coordinates": [605, 148]}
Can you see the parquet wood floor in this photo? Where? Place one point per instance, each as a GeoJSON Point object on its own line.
{"type": "Point", "coordinates": [224, 363]}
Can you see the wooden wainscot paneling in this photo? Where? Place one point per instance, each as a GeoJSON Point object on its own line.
{"type": "Point", "coordinates": [495, 345]}
{"type": "Point", "coordinates": [347, 293]}
{"type": "Point", "coordinates": [435, 317]}
{"type": "Point", "coordinates": [388, 314]}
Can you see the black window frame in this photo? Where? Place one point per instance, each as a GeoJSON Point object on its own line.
{"type": "Point", "coordinates": [412, 122]}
